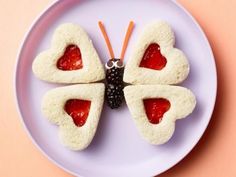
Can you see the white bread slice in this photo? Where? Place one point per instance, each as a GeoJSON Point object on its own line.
{"type": "Point", "coordinates": [45, 64]}
{"type": "Point", "coordinates": [177, 67]}
{"type": "Point", "coordinates": [76, 138]}
{"type": "Point", "coordinates": [182, 104]}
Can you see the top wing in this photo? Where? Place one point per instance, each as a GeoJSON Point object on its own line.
{"type": "Point", "coordinates": [154, 59]}
{"type": "Point", "coordinates": [71, 58]}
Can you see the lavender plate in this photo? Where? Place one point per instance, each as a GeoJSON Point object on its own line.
{"type": "Point", "coordinates": [117, 149]}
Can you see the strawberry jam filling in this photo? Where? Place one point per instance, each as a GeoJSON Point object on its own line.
{"type": "Point", "coordinates": [155, 109]}
{"type": "Point", "coordinates": [71, 59]}
{"type": "Point", "coordinates": [152, 58]}
{"type": "Point", "coordinates": [78, 110]}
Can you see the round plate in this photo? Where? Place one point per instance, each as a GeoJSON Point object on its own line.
{"type": "Point", "coordinates": [117, 148]}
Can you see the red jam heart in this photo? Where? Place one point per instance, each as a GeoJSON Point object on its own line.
{"type": "Point", "coordinates": [152, 58]}
{"type": "Point", "coordinates": [155, 109]}
{"type": "Point", "coordinates": [71, 59]}
{"type": "Point", "coordinates": [78, 110]}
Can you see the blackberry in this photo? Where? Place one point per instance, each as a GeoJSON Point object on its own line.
{"type": "Point", "coordinates": [115, 75]}
{"type": "Point", "coordinates": [114, 95]}
{"type": "Point", "coordinates": [115, 85]}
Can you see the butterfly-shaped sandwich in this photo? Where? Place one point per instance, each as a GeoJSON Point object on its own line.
{"type": "Point", "coordinates": [150, 74]}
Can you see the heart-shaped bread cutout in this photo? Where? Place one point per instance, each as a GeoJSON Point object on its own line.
{"type": "Point", "coordinates": [78, 110]}
{"type": "Point", "coordinates": [152, 58]}
{"type": "Point", "coordinates": [155, 109]}
{"type": "Point", "coordinates": [71, 59]}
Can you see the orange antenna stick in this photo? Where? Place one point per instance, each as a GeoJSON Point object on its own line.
{"type": "Point", "coordinates": [127, 37]}
{"type": "Point", "coordinates": [104, 33]}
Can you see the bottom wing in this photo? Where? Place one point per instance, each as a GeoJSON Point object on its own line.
{"type": "Point", "coordinates": [155, 108]}
{"type": "Point", "coordinates": [76, 110]}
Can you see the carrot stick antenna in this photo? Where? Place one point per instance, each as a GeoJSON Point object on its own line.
{"type": "Point", "coordinates": [104, 33]}
{"type": "Point", "coordinates": [126, 41]}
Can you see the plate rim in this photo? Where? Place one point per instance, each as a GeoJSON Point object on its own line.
{"type": "Point", "coordinates": [19, 110]}
{"type": "Point", "coordinates": [16, 99]}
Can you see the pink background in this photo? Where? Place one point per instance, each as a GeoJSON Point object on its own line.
{"type": "Point", "coordinates": [215, 154]}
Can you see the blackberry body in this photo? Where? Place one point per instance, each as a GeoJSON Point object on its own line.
{"type": "Point", "coordinates": [114, 83]}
